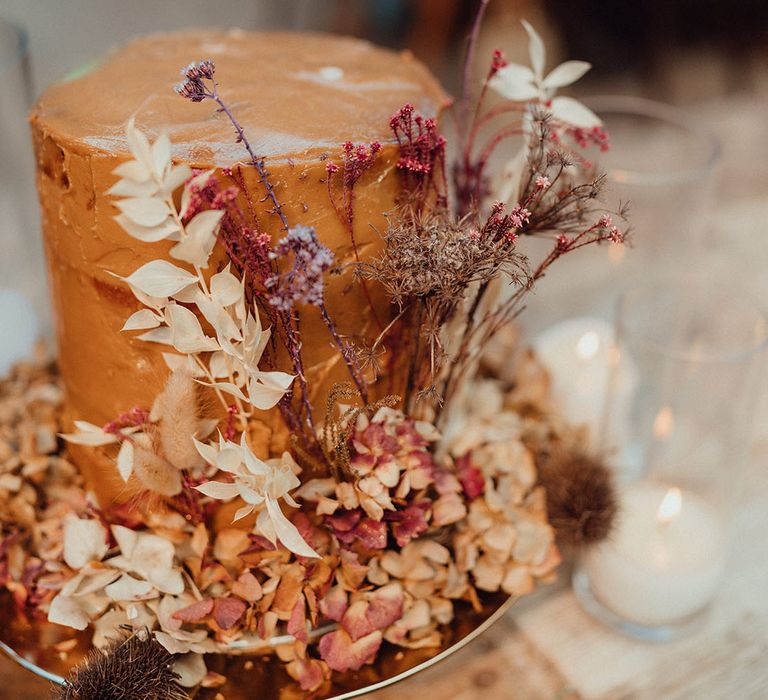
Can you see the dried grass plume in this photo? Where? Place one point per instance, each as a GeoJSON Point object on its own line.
{"type": "Point", "coordinates": [178, 406]}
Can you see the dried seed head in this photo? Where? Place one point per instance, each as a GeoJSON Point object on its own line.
{"type": "Point", "coordinates": [136, 667]}
{"type": "Point", "coordinates": [581, 497]}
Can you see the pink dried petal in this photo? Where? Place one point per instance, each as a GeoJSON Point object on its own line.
{"type": "Point", "coordinates": [409, 436]}
{"type": "Point", "coordinates": [334, 604]}
{"type": "Point", "coordinates": [297, 623]}
{"type": "Point", "coordinates": [471, 477]}
{"type": "Point", "coordinates": [446, 482]}
{"type": "Point", "coordinates": [344, 521]}
{"type": "Point", "coordinates": [354, 572]}
{"type": "Point", "coordinates": [376, 438]}
{"type": "Point", "coordinates": [267, 624]}
{"type": "Point", "coordinates": [372, 533]}
{"type": "Point", "coordinates": [228, 611]}
{"type": "Point", "coordinates": [342, 654]}
{"type": "Point", "coordinates": [355, 621]}
{"type": "Point", "coordinates": [386, 606]}
{"type": "Point", "coordinates": [408, 524]}
{"type": "Point", "coordinates": [382, 608]}
{"type": "Point", "coordinates": [247, 587]}
{"type": "Point", "coordinates": [195, 612]}
{"type": "Point", "coordinates": [448, 509]}
{"type": "Point", "coordinates": [309, 673]}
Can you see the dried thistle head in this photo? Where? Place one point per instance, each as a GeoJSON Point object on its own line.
{"type": "Point", "coordinates": [433, 255]}
{"type": "Point", "coordinates": [581, 498]}
{"type": "Point", "coordinates": [135, 667]}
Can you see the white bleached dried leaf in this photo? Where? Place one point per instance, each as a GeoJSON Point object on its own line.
{"type": "Point", "coordinates": [219, 490]}
{"type": "Point", "coordinates": [265, 389]}
{"type": "Point", "coordinates": [144, 211]}
{"type": "Point", "coordinates": [138, 144]}
{"type": "Point", "coordinates": [536, 50]}
{"type": "Point", "coordinates": [226, 289]}
{"type": "Point", "coordinates": [148, 234]}
{"type": "Point", "coordinates": [133, 170]}
{"type": "Point", "coordinates": [565, 74]}
{"type": "Point", "coordinates": [186, 333]}
{"type": "Point", "coordinates": [161, 155]}
{"type": "Point", "coordinates": [159, 278]}
{"type": "Point", "coordinates": [142, 320]}
{"type": "Point", "coordinates": [514, 82]}
{"type": "Point", "coordinates": [128, 187]}
{"type": "Point", "coordinates": [125, 460]}
{"type": "Point", "coordinates": [197, 244]}
{"type": "Point", "coordinates": [90, 439]}
{"type": "Point", "coordinates": [573, 112]}
{"type": "Point", "coordinates": [286, 531]}
{"type": "Point", "coordinates": [126, 539]}
{"type": "Point", "coordinates": [176, 177]}
{"type": "Point", "coordinates": [84, 541]}
{"type": "Point", "coordinates": [160, 335]}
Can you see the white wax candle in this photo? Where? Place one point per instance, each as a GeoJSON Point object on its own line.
{"type": "Point", "coordinates": [579, 354]}
{"type": "Point", "coordinates": [665, 559]}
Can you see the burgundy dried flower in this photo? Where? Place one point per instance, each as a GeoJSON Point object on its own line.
{"type": "Point", "coordinates": [422, 153]}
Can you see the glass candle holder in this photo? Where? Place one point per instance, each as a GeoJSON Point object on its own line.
{"type": "Point", "coordinates": [698, 351]}
{"type": "Point", "coordinates": [23, 295]}
{"type": "Point", "coordinates": [664, 165]}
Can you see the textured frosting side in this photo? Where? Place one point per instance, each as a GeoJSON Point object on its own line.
{"type": "Point", "coordinates": [278, 84]}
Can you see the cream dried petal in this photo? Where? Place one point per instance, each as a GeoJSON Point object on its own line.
{"type": "Point", "coordinates": [84, 541]}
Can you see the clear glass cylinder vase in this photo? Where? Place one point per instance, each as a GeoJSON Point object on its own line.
{"type": "Point", "coordinates": [698, 351]}
{"type": "Point", "coordinates": [661, 163]}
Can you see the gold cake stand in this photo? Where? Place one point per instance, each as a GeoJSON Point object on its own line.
{"type": "Point", "coordinates": [51, 651]}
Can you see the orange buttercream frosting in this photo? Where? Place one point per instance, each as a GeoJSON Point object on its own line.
{"type": "Point", "coordinates": [298, 97]}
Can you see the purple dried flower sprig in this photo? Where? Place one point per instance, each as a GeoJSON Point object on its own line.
{"type": "Point", "coordinates": [303, 282]}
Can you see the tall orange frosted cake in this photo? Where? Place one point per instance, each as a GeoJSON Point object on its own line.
{"type": "Point", "coordinates": [291, 421]}
{"type": "Point", "coordinates": [299, 97]}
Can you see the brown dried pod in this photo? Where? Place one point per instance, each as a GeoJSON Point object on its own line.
{"type": "Point", "coordinates": [135, 667]}
{"type": "Point", "coordinates": [581, 498]}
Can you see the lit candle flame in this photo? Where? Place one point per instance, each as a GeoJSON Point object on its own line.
{"type": "Point", "coordinates": [670, 506]}
{"type": "Point", "coordinates": [588, 345]}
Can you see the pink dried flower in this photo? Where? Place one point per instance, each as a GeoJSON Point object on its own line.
{"type": "Point", "coordinates": [409, 523]}
{"type": "Point", "coordinates": [519, 216]}
{"type": "Point", "coordinates": [471, 477]}
{"type": "Point", "coordinates": [498, 61]}
{"type": "Point", "coordinates": [342, 654]}
{"type": "Point", "coordinates": [542, 182]}
{"type": "Point", "coordinates": [228, 611]}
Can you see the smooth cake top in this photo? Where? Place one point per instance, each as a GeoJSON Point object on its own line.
{"type": "Point", "coordinates": [293, 93]}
